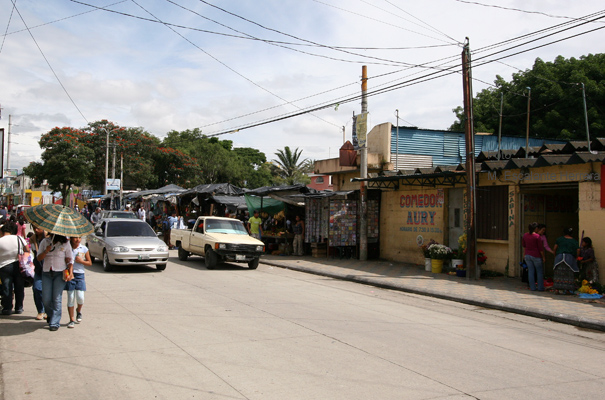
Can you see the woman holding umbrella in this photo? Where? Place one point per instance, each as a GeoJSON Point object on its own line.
{"type": "Point", "coordinates": [60, 222]}
{"type": "Point", "coordinates": [57, 256]}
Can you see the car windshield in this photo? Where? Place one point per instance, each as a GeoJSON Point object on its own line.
{"type": "Point", "coordinates": [129, 228]}
{"type": "Point", "coordinates": [225, 226]}
{"type": "Point", "coordinates": [119, 214]}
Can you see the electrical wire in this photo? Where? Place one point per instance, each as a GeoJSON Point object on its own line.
{"type": "Point", "coordinates": [61, 19]}
{"type": "Point", "coordinates": [516, 9]}
{"type": "Point", "coordinates": [10, 17]}
{"type": "Point", "coordinates": [47, 62]}
{"type": "Point", "coordinates": [227, 66]}
{"type": "Point", "coordinates": [376, 20]}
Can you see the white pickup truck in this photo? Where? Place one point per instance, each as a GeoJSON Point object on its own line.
{"type": "Point", "coordinates": [218, 239]}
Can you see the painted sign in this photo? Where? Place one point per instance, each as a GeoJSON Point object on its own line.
{"type": "Point", "coordinates": [423, 210]}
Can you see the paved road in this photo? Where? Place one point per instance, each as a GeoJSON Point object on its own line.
{"type": "Point", "coordinates": [274, 333]}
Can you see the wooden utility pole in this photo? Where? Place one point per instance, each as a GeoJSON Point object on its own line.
{"type": "Point", "coordinates": [472, 270]}
{"type": "Point", "coordinates": [363, 212]}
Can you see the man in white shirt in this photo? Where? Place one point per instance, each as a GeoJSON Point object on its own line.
{"type": "Point", "coordinates": [141, 214]}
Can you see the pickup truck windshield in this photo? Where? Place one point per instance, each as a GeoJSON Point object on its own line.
{"type": "Point", "coordinates": [128, 228]}
{"type": "Point", "coordinates": [223, 226]}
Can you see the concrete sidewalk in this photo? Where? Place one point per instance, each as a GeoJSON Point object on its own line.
{"type": "Point", "coordinates": [506, 294]}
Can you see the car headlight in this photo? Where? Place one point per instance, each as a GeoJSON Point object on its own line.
{"type": "Point", "coordinates": [260, 248]}
{"type": "Point", "coordinates": [221, 246]}
{"type": "Point", "coordinates": [120, 249]}
{"type": "Point", "coordinates": [162, 248]}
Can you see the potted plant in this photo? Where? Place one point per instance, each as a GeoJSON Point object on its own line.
{"type": "Point", "coordinates": [481, 257]}
{"type": "Point", "coordinates": [427, 254]}
{"type": "Point", "coordinates": [439, 253]}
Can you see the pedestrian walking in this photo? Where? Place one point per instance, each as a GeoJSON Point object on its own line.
{"type": "Point", "coordinates": [534, 256]}
{"type": "Point", "coordinates": [21, 226]}
{"type": "Point", "coordinates": [299, 232]}
{"type": "Point", "coordinates": [566, 253]}
{"type": "Point", "coordinates": [12, 286]}
{"type": "Point", "coordinates": [77, 286]}
{"type": "Point", "coordinates": [96, 216]}
{"type": "Point", "coordinates": [34, 243]}
{"type": "Point", "coordinates": [255, 226]}
{"type": "Point", "coordinates": [141, 213]}
{"type": "Point", "coordinates": [57, 255]}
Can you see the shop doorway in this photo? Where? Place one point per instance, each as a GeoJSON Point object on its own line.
{"type": "Point", "coordinates": [553, 205]}
{"type": "Point", "coordinates": [455, 220]}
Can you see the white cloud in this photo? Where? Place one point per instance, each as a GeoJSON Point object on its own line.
{"type": "Point", "coordinates": [139, 73]}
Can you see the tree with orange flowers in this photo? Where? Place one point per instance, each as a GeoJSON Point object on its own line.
{"type": "Point", "coordinates": [66, 160]}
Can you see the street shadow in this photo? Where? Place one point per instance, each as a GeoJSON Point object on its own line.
{"type": "Point", "coordinates": [97, 266]}
{"type": "Point", "coordinates": [197, 263]}
{"type": "Point", "coordinates": [24, 326]}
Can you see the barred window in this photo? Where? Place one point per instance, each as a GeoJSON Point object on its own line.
{"type": "Point", "coordinates": [492, 212]}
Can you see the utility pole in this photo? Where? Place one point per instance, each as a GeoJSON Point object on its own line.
{"type": "Point", "coordinates": [106, 162]}
{"type": "Point", "coordinates": [397, 144]}
{"type": "Point", "coordinates": [473, 270]}
{"type": "Point", "coordinates": [586, 117]}
{"type": "Point", "coordinates": [8, 145]}
{"type": "Point", "coordinates": [500, 126]}
{"type": "Point", "coordinates": [527, 127]}
{"type": "Point", "coordinates": [113, 174]}
{"type": "Point", "coordinates": [363, 217]}
{"type": "Point", "coordinates": [121, 179]}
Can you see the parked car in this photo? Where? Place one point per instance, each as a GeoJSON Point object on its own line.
{"type": "Point", "coordinates": [127, 241]}
{"type": "Point", "coordinates": [218, 239]}
{"type": "Point", "coordinates": [117, 214]}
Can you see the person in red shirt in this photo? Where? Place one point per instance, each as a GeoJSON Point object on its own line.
{"type": "Point", "coordinates": [534, 256]}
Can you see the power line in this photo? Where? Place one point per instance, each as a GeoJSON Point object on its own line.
{"type": "Point", "coordinates": [382, 22]}
{"type": "Point", "coordinates": [517, 9]}
{"type": "Point", "coordinates": [48, 63]}
{"type": "Point", "coordinates": [227, 66]}
{"type": "Point", "coordinates": [7, 25]}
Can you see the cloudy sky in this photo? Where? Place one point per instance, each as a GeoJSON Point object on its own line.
{"type": "Point", "coordinates": [223, 65]}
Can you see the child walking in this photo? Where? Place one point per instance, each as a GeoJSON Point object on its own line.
{"type": "Point", "coordinates": [77, 286]}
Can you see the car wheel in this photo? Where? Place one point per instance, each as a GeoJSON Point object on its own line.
{"type": "Point", "coordinates": [106, 264]}
{"type": "Point", "coordinates": [254, 263]}
{"type": "Point", "coordinates": [160, 267]}
{"type": "Point", "coordinates": [211, 259]}
{"type": "Point", "coordinates": [183, 254]}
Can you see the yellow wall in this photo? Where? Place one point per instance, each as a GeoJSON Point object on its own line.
{"type": "Point", "coordinates": [592, 221]}
{"type": "Point", "coordinates": [406, 216]}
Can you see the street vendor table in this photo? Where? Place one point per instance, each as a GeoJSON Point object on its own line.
{"type": "Point", "coordinates": [276, 240]}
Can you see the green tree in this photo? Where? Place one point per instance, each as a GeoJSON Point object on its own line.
{"type": "Point", "coordinates": [66, 160]}
{"type": "Point", "coordinates": [138, 147]}
{"type": "Point", "coordinates": [557, 109]}
{"type": "Point", "coordinates": [291, 169]}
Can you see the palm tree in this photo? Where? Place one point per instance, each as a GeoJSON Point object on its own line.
{"type": "Point", "coordinates": [290, 169]}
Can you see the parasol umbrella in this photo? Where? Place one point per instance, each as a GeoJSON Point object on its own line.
{"type": "Point", "coordinates": [54, 218]}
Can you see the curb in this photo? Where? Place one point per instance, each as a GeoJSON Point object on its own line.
{"type": "Point", "coordinates": [568, 319]}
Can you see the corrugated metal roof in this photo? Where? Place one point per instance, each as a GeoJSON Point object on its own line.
{"type": "Point", "coordinates": [412, 161]}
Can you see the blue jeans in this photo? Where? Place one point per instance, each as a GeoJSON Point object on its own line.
{"type": "Point", "coordinates": [534, 266]}
{"type": "Point", "coordinates": [52, 295]}
{"type": "Point", "coordinates": [37, 290]}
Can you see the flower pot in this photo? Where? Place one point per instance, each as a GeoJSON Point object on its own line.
{"type": "Point", "coordinates": [457, 263]}
{"type": "Point", "coordinates": [436, 266]}
{"type": "Point", "coordinates": [427, 264]}
{"type": "Point", "coordinates": [461, 273]}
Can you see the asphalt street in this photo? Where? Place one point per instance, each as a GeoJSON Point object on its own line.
{"type": "Point", "coordinates": [276, 333]}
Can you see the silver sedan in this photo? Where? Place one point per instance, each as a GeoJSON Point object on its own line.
{"type": "Point", "coordinates": [120, 241]}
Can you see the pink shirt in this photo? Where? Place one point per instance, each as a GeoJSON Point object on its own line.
{"type": "Point", "coordinates": [545, 242]}
{"type": "Point", "coordinates": [21, 230]}
{"type": "Point", "coordinates": [533, 245]}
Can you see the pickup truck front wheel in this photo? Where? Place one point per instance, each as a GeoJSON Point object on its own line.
{"type": "Point", "coordinates": [210, 258]}
{"type": "Point", "coordinates": [254, 263]}
{"type": "Point", "coordinates": [183, 254]}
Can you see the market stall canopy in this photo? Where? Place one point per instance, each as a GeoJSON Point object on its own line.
{"type": "Point", "coordinates": [284, 190]}
{"type": "Point", "coordinates": [238, 202]}
{"type": "Point", "coordinates": [165, 190]}
{"type": "Point", "coordinates": [225, 189]}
